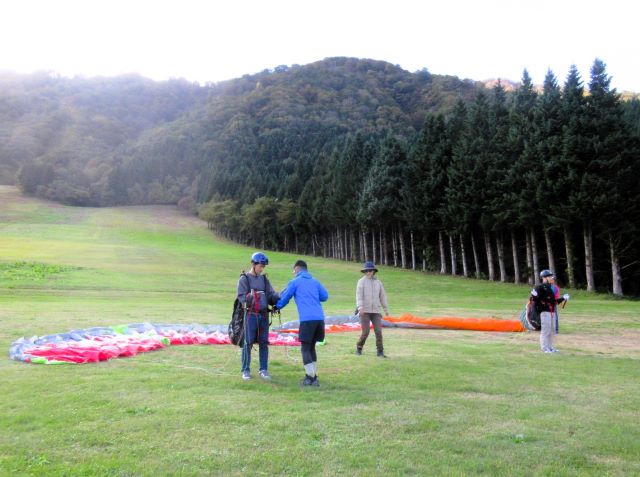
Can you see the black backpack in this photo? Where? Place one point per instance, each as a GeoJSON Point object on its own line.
{"type": "Point", "coordinates": [236, 325]}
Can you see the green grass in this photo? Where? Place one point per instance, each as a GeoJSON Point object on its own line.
{"type": "Point", "coordinates": [444, 403]}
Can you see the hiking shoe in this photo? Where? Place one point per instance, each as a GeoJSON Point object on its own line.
{"type": "Point", "coordinates": [246, 375]}
{"type": "Point", "coordinates": [358, 351]}
{"type": "Point", "coordinates": [315, 381]}
{"type": "Point", "coordinates": [381, 354]}
{"type": "Point", "coordinates": [264, 374]}
{"type": "Point", "coordinates": [307, 381]}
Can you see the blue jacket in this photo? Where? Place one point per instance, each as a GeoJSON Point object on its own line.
{"type": "Point", "coordinates": [307, 293]}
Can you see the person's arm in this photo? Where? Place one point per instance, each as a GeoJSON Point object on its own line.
{"type": "Point", "coordinates": [563, 298]}
{"type": "Point", "coordinates": [359, 294]}
{"type": "Point", "coordinates": [286, 295]}
{"type": "Point", "coordinates": [383, 299]}
{"type": "Point", "coordinates": [272, 295]}
{"type": "Point", "coordinates": [243, 289]}
{"type": "Point", "coordinates": [322, 291]}
{"type": "Point", "coordinates": [535, 294]}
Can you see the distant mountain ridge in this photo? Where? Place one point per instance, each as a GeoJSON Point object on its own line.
{"type": "Point", "coordinates": [128, 139]}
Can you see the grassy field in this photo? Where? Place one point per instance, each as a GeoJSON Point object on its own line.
{"type": "Point", "coordinates": [444, 403]}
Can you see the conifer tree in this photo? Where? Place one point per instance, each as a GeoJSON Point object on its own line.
{"type": "Point", "coordinates": [610, 177]}
{"type": "Point", "coordinates": [556, 181]}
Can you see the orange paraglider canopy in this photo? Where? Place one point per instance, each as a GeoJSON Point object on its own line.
{"type": "Point", "coordinates": [456, 323]}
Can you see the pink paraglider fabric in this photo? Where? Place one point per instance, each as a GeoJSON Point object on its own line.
{"type": "Point", "coordinates": [101, 344]}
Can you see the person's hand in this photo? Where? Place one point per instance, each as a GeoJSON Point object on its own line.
{"type": "Point", "coordinates": [566, 296]}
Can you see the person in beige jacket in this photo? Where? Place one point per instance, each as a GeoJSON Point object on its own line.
{"type": "Point", "coordinates": [370, 296]}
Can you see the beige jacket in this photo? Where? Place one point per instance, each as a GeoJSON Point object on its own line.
{"type": "Point", "coordinates": [370, 296]}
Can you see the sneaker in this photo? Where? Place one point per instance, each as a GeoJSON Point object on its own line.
{"type": "Point", "coordinates": [264, 374]}
{"type": "Point", "coordinates": [315, 381]}
{"type": "Point", "coordinates": [547, 351]}
{"type": "Point", "coordinates": [246, 375]}
{"type": "Point", "coordinates": [358, 351]}
{"type": "Point", "coordinates": [381, 354]}
{"type": "Point", "coordinates": [554, 350]}
{"type": "Point", "coordinates": [307, 381]}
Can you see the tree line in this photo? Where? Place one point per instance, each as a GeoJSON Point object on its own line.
{"type": "Point", "coordinates": [499, 188]}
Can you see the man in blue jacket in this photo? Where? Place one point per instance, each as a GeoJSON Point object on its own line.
{"type": "Point", "coordinates": [307, 293]}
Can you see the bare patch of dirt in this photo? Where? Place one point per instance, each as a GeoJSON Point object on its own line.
{"type": "Point", "coordinates": [624, 343]}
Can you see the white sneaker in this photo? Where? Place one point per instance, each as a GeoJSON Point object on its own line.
{"type": "Point", "coordinates": [246, 375]}
{"type": "Point", "coordinates": [264, 374]}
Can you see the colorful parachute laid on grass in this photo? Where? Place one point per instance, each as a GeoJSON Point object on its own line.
{"type": "Point", "coordinates": [103, 343]}
{"type": "Point", "coordinates": [336, 324]}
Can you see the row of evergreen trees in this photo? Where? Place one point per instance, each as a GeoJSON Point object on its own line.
{"type": "Point", "coordinates": [498, 189]}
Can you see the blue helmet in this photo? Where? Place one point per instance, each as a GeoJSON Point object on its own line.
{"type": "Point", "coordinates": [260, 258]}
{"type": "Point", "coordinates": [546, 273]}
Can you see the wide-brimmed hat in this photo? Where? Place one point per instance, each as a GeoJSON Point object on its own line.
{"type": "Point", "coordinates": [369, 266]}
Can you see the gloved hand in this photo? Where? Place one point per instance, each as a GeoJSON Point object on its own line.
{"type": "Point", "coordinates": [566, 296]}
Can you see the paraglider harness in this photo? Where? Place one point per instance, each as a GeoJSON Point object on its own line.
{"type": "Point", "coordinates": [238, 322]}
{"type": "Point", "coordinates": [530, 316]}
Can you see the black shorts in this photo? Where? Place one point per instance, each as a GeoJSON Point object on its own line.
{"type": "Point", "coordinates": [311, 331]}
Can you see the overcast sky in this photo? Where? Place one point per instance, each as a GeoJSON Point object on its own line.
{"type": "Point", "coordinates": [209, 41]}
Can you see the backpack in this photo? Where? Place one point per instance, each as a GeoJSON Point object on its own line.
{"type": "Point", "coordinates": [236, 325]}
{"type": "Point", "coordinates": [530, 318]}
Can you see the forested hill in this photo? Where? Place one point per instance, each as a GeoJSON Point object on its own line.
{"type": "Point", "coordinates": [64, 133]}
{"type": "Point", "coordinates": [129, 140]}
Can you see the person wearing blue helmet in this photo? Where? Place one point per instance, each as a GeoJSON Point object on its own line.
{"type": "Point", "coordinates": [546, 302]}
{"type": "Point", "coordinates": [255, 293]}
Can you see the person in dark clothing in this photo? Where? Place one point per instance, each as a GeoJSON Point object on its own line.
{"type": "Point", "coordinates": [308, 294]}
{"type": "Point", "coordinates": [256, 294]}
{"type": "Point", "coordinates": [544, 299]}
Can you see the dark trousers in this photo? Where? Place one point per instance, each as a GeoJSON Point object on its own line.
{"type": "Point", "coordinates": [365, 320]}
{"type": "Point", "coordinates": [256, 329]}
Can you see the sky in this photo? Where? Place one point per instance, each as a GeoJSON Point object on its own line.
{"type": "Point", "coordinates": [211, 41]}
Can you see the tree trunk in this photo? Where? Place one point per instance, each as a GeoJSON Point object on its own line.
{"type": "Point", "coordinates": [551, 258]}
{"type": "Point", "coordinates": [501, 264]}
{"type": "Point", "coordinates": [465, 269]}
{"type": "Point", "coordinates": [476, 260]}
{"type": "Point", "coordinates": [413, 252]}
{"type": "Point", "coordinates": [514, 252]}
{"type": "Point", "coordinates": [364, 253]}
{"type": "Point", "coordinates": [568, 246]}
{"type": "Point", "coordinates": [424, 253]}
{"type": "Point", "coordinates": [530, 279]}
{"type": "Point", "coordinates": [384, 249]}
{"type": "Point", "coordinates": [403, 252]}
{"type": "Point", "coordinates": [588, 256]}
{"type": "Point", "coordinates": [487, 246]}
{"type": "Point", "coordinates": [452, 252]}
{"type": "Point", "coordinates": [534, 256]}
{"type": "Point", "coordinates": [373, 245]}
{"type": "Point", "coordinates": [394, 246]}
{"type": "Point", "coordinates": [443, 260]}
{"type": "Point", "coordinates": [352, 239]}
{"type": "Point", "coordinates": [616, 277]}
